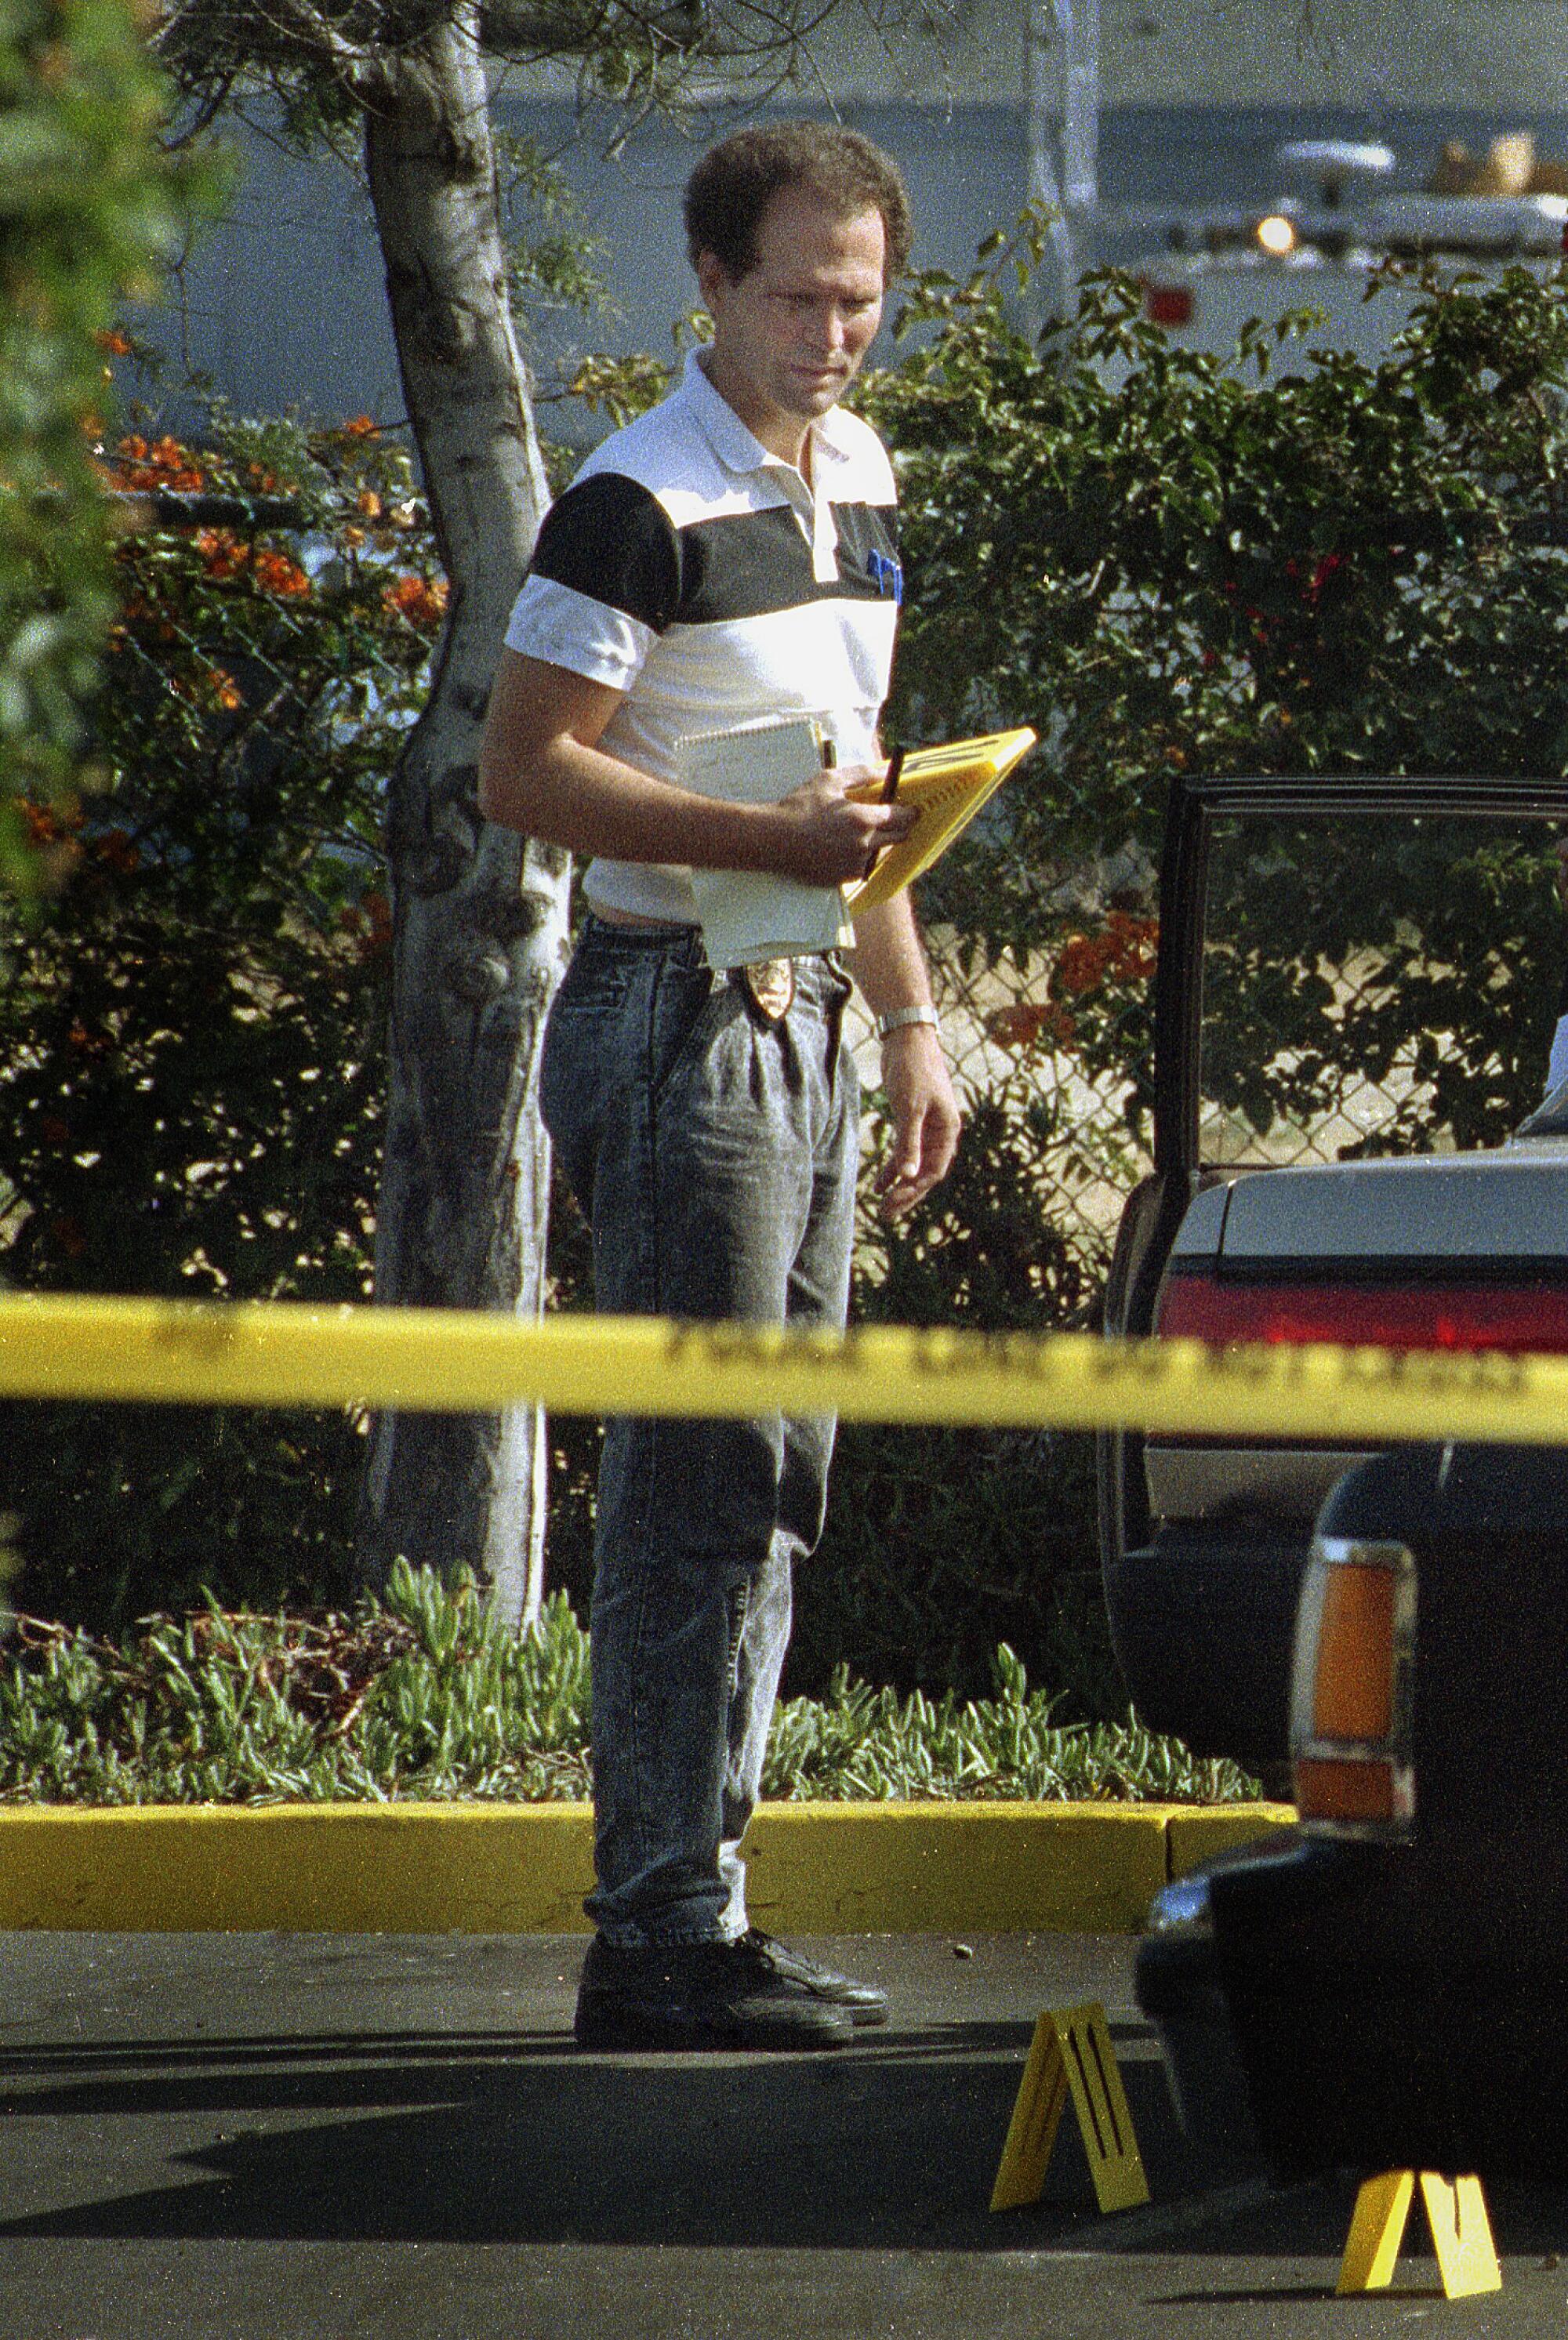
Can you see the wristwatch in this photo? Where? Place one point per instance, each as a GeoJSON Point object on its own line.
{"type": "Point", "coordinates": [896, 1019]}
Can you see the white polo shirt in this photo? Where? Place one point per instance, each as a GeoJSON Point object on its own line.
{"type": "Point", "coordinates": [698, 574]}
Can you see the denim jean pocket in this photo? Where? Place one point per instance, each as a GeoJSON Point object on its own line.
{"type": "Point", "coordinates": [584, 1054]}
{"type": "Point", "coordinates": [690, 1002]}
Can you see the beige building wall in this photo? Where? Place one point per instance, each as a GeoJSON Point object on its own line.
{"type": "Point", "coordinates": [1491, 55]}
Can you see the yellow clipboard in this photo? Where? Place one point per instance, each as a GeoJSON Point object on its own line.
{"type": "Point", "coordinates": [947, 786]}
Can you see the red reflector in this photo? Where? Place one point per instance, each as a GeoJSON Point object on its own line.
{"type": "Point", "coordinates": [1167, 304]}
{"type": "Point", "coordinates": [1329, 1791]}
{"type": "Point", "coordinates": [1366, 1316]}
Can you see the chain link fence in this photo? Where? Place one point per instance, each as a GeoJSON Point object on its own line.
{"type": "Point", "coordinates": [1008, 1039]}
{"type": "Point", "coordinates": [1371, 985]}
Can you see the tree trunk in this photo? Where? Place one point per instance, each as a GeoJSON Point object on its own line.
{"type": "Point", "coordinates": [480, 916]}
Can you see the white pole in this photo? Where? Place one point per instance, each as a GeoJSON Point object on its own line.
{"type": "Point", "coordinates": [1062, 44]}
{"type": "Point", "coordinates": [1046, 107]}
{"type": "Point", "coordinates": [1079, 20]}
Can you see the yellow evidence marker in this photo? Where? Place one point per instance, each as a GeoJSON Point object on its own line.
{"type": "Point", "coordinates": [1071, 2055]}
{"type": "Point", "coordinates": [1461, 2234]}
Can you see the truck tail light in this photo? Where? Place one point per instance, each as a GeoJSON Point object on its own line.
{"type": "Point", "coordinates": [1467, 1316]}
{"type": "Point", "coordinates": [1167, 304]}
{"type": "Point", "coordinates": [1352, 1688]}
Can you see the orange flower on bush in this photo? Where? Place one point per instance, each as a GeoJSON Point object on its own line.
{"type": "Point", "coordinates": [113, 342]}
{"type": "Point", "coordinates": [162, 465]}
{"type": "Point", "coordinates": [274, 572]}
{"type": "Point", "coordinates": [371, 920]}
{"type": "Point", "coordinates": [222, 554]}
{"type": "Point", "coordinates": [421, 599]}
{"type": "Point", "coordinates": [1132, 944]}
{"type": "Point", "coordinates": [361, 427]}
{"type": "Point", "coordinates": [1125, 950]}
{"type": "Point", "coordinates": [224, 689]}
{"type": "Point", "coordinates": [50, 824]}
{"type": "Point", "coordinates": [1020, 1026]}
{"type": "Point", "coordinates": [116, 847]}
{"type": "Point", "coordinates": [1081, 963]}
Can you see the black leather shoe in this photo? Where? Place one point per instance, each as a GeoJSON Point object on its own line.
{"type": "Point", "coordinates": [863, 2002]}
{"type": "Point", "coordinates": [693, 1994]}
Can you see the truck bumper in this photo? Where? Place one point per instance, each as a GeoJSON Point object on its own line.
{"type": "Point", "coordinates": [1296, 1989]}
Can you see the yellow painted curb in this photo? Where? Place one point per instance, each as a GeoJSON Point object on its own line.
{"type": "Point", "coordinates": [1198, 1833]}
{"type": "Point", "coordinates": [500, 1869]}
{"type": "Point", "coordinates": [937, 1868]}
{"type": "Point", "coordinates": [332, 1869]}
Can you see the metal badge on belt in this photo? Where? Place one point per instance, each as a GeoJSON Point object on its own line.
{"type": "Point", "coordinates": [771, 985]}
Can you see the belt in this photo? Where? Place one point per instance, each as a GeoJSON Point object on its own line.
{"type": "Point", "coordinates": [769, 983]}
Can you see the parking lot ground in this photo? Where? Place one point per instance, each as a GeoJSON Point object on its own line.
{"type": "Point", "coordinates": [264, 2136]}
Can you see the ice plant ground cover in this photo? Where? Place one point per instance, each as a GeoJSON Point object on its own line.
{"type": "Point", "coordinates": [422, 1695]}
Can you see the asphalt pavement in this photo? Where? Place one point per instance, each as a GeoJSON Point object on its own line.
{"type": "Point", "coordinates": [271, 2136]}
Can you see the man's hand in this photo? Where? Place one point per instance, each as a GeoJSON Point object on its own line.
{"type": "Point", "coordinates": [926, 1118]}
{"type": "Point", "coordinates": [543, 770]}
{"type": "Point", "coordinates": [827, 838]}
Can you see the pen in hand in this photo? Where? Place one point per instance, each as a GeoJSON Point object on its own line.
{"type": "Point", "coordinates": [894, 774]}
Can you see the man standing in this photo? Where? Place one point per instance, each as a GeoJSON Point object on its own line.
{"type": "Point", "coordinates": [726, 561]}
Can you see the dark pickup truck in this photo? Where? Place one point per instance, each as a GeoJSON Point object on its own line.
{"type": "Point", "coordinates": [1387, 1987]}
{"type": "Point", "coordinates": [1357, 983]}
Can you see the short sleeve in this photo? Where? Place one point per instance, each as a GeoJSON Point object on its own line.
{"type": "Point", "coordinates": [604, 582]}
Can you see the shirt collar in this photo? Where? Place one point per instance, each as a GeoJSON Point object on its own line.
{"type": "Point", "coordinates": [739, 449]}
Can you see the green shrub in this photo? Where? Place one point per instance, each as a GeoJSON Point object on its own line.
{"type": "Point", "coordinates": [941, 1543]}
{"type": "Point", "coordinates": [84, 217]}
{"type": "Point", "coordinates": [1166, 561]}
{"type": "Point", "coordinates": [192, 1035]}
{"type": "Point", "coordinates": [424, 1694]}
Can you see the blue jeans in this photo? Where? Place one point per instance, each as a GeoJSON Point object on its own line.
{"type": "Point", "coordinates": [715, 1156]}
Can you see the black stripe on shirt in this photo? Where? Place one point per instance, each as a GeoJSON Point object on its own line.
{"type": "Point", "coordinates": [751, 564]}
{"type": "Point", "coordinates": [611, 539]}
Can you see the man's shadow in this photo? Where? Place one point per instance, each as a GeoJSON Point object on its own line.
{"type": "Point", "coordinates": [488, 2136]}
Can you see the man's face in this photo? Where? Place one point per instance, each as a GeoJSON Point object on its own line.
{"type": "Point", "coordinates": [789, 336]}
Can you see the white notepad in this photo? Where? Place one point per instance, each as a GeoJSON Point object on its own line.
{"type": "Point", "coordinates": [749, 914]}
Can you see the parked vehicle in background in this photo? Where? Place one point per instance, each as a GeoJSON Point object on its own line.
{"type": "Point", "coordinates": [1389, 1990]}
{"type": "Point", "coordinates": [1357, 987]}
{"type": "Point", "coordinates": [1384, 1988]}
{"type": "Point", "coordinates": [1338, 234]}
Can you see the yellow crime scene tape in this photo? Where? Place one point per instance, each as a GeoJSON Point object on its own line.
{"type": "Point", "coordinates": [285, 1354]}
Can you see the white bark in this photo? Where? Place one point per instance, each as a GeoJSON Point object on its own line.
{"type": "Point", "coordinates": [481, 917]}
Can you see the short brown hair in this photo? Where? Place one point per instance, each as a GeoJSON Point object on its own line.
{"type": "Point", "coordinates": [735, 181]}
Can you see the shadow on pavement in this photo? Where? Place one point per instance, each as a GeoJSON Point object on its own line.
{"type": "Point", "coordinates": [495, 2137]}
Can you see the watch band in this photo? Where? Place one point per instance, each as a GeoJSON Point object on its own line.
{"type": "Point", "coordinates": [897, 1018]}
